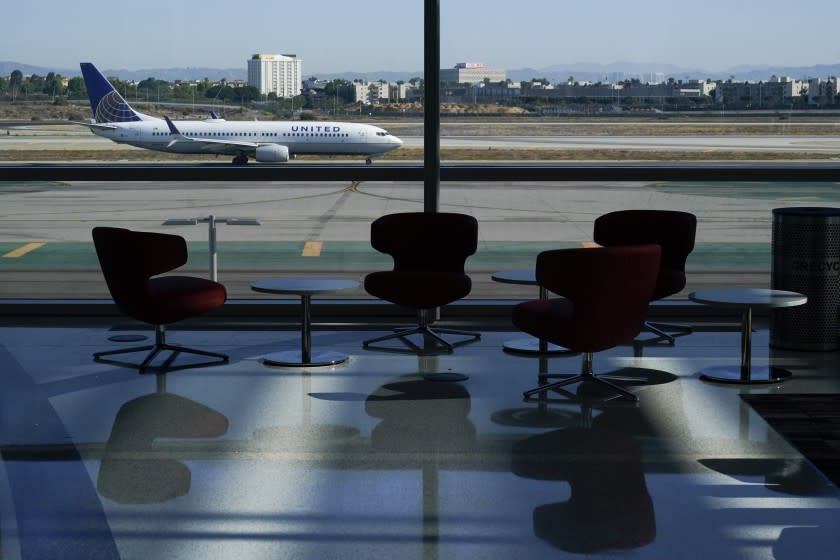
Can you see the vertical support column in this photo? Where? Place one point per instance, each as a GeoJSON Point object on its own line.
{"type": "Point", "coordinates": [306, 330]}
{"type": "Point", "coordinates": [431, 106]}
{"type": "Point", "coordinates": [746, 344]}
{"type": "Point", "coordinates": [211, 234]}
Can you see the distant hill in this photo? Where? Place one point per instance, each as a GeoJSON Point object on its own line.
{"type": "Point", "coordinates": [796, 72]}
{"type": "Point", "coordinates": [555, 73]}
{"type": "Point", "coordinates": [598, 72]}
{"type": "Point", "coordinates": [167, 74]}
{"type": "Point", "coordinates": [7, 67]}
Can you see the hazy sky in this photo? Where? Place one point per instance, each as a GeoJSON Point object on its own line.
{"type": "Point", "coordinates": [343, 35]}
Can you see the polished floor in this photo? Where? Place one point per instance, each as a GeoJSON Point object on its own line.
{"type": "Point", "coordinates": [373, 458]}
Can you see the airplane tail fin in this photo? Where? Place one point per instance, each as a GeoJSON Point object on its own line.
{"type": "Point", "coordinates": [107, 104]}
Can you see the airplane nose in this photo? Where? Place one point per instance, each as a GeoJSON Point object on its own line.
{"type": "Point", "coordinates": [396, 141]}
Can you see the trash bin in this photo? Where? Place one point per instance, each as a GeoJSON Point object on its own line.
{"type": "Point", "coordinates": [806, 259]}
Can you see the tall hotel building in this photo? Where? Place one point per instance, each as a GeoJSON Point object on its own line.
{"type": "Point", "coordinates": [275, 73]}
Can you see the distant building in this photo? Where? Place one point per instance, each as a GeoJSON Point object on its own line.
{"type": "Point", "coordinates": [760, 93]}
{"type": "Point", "coordinates": [373, 93]}
{"type": "Point", "coordinates": [279, 74]}
{"type": "Point", "coordinates": [471, 73]}
{"type": "Point", "coordinates": [823, 91]}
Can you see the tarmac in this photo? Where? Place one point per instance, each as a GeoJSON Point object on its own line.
{"type": "Point", "coordinates": [323, 228]}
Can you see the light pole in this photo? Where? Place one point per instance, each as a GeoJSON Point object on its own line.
{"type": "Point", "coordinates": [211, 222]}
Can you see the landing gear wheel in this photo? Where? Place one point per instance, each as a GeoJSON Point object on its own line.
{"type": "Point", "coordinates": [240, 159]}
{"type": "Point", "coordinates": [368, 161]}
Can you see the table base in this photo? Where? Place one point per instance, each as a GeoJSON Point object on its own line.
{"type": "Point", "coordinates": [294, 358]}
{"type": "Point", "coordinates": [732, 374]}
{"type": "Point", "coordinates": [531, 345]}
{"type": "Point", "coordinates": [446, 377]}
{"type": "Point", "coordinates": [127, 337]}
{"type": "Point", "coordinates": [542, 417]}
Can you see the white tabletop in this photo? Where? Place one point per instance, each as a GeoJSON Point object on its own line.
{"type": "Point", "coordinates": [522, 276]}
{"type": "Point", "coordinates": [302, 286]}
{"type": "Point", "coordinates": [748, 297]}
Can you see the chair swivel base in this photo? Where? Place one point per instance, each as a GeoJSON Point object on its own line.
{"type": "Point", "coordinates": [426, 330]}
{"type": "Point", "coordinates": [155, 350]}
{"type": "Point", "coordinates": [581, 378]}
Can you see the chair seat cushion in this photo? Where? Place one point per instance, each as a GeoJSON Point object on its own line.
{"type": "Point", "coordinates": [542, 317]}
{"type": "Point", "coordinates": [418, 289]}
{"type": "Point", "coordinates": [172, 298]}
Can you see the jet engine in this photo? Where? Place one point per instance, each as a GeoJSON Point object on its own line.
{"type": "Point", "coordinates": [272, 153]}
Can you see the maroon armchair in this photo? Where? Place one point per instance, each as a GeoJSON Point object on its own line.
{"type": "Point", "coordinates": [672, 230]}
{"type": "Point", "coordinates": [604, 295]}
{"type": "Point", "coordinates": [429, 251]}
{"type": "Point", "coordinates": [131, 262]}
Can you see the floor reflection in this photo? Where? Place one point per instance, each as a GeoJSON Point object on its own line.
{"type": "Point", "coordinates": [133, 469]}
{"type": "Point", "coordinates": [609, 507]}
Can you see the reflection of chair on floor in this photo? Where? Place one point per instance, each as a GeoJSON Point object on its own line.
{"type": "Point", "coordinates": [129, 260]}
{"type": "Point", "coordinates": [423, 419]}
{"type": "Point", "coordinates": [604, 301]}
{"type": "Point", "coordinates": [132, 470]}
{"type": "Point", "coordinates": [609, 506]}
{"type": "Point", "coordinates": [672, 230]}
{"type": "Point", "coordinates": [429, 251]}
{"type": "Point", "coordinates": [420, 415]}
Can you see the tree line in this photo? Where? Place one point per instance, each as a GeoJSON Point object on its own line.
{"type": "Point", "coordinates": [54, 87]}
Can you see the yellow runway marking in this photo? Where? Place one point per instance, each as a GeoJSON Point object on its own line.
{"type": "Point", "coordinates": [312, 249]}
{"type": "Point", "coordinates": [22, 250]}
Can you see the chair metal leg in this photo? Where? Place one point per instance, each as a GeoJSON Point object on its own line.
{"type": "Point", "coordinates": [399, 334]}
{"type": "Point", "coordinates": [97, 355]}
{"type": "Point", "coordinates": [657, 328]}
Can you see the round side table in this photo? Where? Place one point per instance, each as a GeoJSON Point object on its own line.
{"type": "Point", "coordinates": [305, 288]}
{"type": "Point", "coordinates": [529, 345]}
{"type": "Point", "coordinates": [747, 299]}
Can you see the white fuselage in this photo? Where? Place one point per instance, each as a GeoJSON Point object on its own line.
{"type": "Point", "coordinates": [219, 136]}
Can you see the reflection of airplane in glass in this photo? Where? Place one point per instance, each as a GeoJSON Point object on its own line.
{"type": "Point", "coordinates": [272, 141]}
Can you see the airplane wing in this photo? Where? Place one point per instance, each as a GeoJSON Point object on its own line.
{"type": "Point", "coordinates": [98, 126]}
{"type": "Point", "coordinates": [210, 144]}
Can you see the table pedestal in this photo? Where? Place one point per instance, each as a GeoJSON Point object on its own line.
{"type": "Point", "coordinates": [746, 373]}
{"type": "Point", "coordinates": [529, 344]}
{"type": "Point", "coordinates": [304, 356]}
{"type": "Point", "coordinates": [305, 288]}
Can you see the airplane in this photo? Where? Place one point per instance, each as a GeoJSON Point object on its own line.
{"type": "Point", "coordinates": [265, 141]}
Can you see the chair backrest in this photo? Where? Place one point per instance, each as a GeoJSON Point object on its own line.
{"type": "Point", "coordinates": [610, 288]}
{"type": "Point", "coordinates": [672, 230]}
{"type": "Point", "coordinates": [129, 258]}
{"type": "Point", "coordinates": [439, 241]}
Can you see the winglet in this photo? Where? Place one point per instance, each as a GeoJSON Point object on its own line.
{"type": "Point", "coordinates": [171, 126]}
{"type": "Point", "coordinates": [176, 134]}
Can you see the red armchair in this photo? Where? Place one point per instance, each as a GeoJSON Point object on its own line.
{"type": "Point", "coordinates": [672, 230]}
{"type": "Point", "coordinates": [604, 295]}
{"type": "Point", "coordinates": [131, 262]}
{"type": "Point", "coordinates": [429, 251]}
